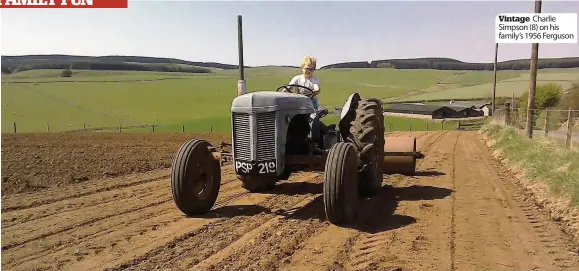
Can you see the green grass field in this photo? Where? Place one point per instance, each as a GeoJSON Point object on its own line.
{"type": "Point", "coordinates": [516, 85]}
{"type": "Point", "coordinates": [33, 99]}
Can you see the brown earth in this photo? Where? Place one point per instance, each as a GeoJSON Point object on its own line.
{"type": "Point", "coordinates": [461, 212]}
{"type": "Point", "coordinates": [34, 161]}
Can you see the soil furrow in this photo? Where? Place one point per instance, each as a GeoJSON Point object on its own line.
{"type": "Point", "coordinates": [91, 200]}
{"type": "Point", "coordinates": [255, 206]}
{"type": "Point", "coordinates": [276, 228]}
{"type": "Point", "coordinates": [399, 234]}
{"type": "Point", "coordinates": [215, 240]}
{"type": "Point", "coordinates": [461, 211]}
{"type": "Point", "coordinates": [131, 224]}
{"type": "Point", "coordinates": [321, 251]}
{"type": "Point", "coordinates": [41, 228]}
{"type": "Point", "coordinates": [452, 237]}
{"type": "Point", "coordinates": [74, 215]}
{"type": "Point", "coordinates": [106, 238]}
{"type": "Point", "coordinates": [17, 202]}
{"type": "Point", "coordinates": [324, 251]}
{"type": "Point", "coordinates": [273, 243]}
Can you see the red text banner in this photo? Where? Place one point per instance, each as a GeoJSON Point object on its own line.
{"type": "Point", "coordinates": [64, 3]}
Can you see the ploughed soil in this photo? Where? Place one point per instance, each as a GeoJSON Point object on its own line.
{"type": "Point", "coordinates": [461, 211]}
{"type": "Point", "coordinates": [34, 161]}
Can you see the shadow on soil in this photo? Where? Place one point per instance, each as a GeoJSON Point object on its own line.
{"type": "Point", "coordinates": [296, 188]}
{"type": "Point", "coordinates": [422, 174]}
{"type": "Point", "coordinates": [374, 214]}
{"type": "Point", "coordinates": [231, 211]}
{"type": "Point", "coordinates": [428, 173]}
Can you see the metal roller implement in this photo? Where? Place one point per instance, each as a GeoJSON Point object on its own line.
{"type": "Point", "coordinates": [400, 155]}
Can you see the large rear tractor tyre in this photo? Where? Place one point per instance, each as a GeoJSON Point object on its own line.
{"type": "Point", "coordinates": [195, 178]}
{"type": "Point", "coordinates": [367, 130]}
{"type": "Point", "coordinates": [340, 189]}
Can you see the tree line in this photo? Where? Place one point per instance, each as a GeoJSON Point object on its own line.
{"type": "Point", "coordinates": [453, 64]}
{"type": "Point", "coordinates": [12, 64]}
{"type": "Point", "coordinates": [8, 68]}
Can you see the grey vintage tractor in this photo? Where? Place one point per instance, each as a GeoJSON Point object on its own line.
{"type": "Point", "coordinates": [271, 139]}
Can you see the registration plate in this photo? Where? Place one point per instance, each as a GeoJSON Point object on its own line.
{"type": "Point", "coordinates": [257, 168]}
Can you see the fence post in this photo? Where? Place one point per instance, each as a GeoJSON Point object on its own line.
{"type": "Point", "coordinates": [458, 126]}
{"type": "Point", "coordinates": [183, 128]}
{"type": "Point", "coordinates": [47, 127]}
{"type": "Point", "coordinates": [409, 126]}
{"type": "Point", "coordinates": [119, 128]}
{"type": "Point", "coordinates": [508, 115]}
{"type": "Point", "coordinates": [84, 127]}
{"type": "Point", "coordinates": [546, 121]}
{"type": "Point", "coordinates": [442, 125]}
{"type": "Point", "coordinates": [153, 126]}
{"type": "Point", "coordinates": [569, 121]}
{"type": "Point", "coordinates": [211, 129]}
{"type": "Point", "coordinates": [427, 126]}
{"type": "Point", "coordinates": [391, 127]}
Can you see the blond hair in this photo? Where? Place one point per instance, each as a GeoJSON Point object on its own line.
{"type": "Point", "coordinates": [309, 61]}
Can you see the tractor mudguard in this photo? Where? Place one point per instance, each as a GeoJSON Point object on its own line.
{"type": "Point", "coordinates": [350, 104]}
{"type": "Point", "coordinates": [348, 114]}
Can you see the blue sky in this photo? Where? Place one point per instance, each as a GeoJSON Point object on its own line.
{"type": "Point", "coordinates": [275, 32]}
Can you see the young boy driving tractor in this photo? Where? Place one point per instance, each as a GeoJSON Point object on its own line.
{"type": "Point", "coordinates": [308, 80]}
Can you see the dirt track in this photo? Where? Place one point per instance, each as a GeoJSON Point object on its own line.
{"type": "Point", "coordinates": [462, 212]}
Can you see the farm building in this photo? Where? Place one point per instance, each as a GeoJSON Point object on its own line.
{"type": "Point", "coordinates": [431, 111]}
{"type": "Point", "coordinates": [482, 106]}
{"type": "Point", "coordinates": [467, 112]}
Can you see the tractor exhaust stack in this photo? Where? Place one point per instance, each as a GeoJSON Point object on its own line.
{"type": "Point", "coordinates": [241, 82]}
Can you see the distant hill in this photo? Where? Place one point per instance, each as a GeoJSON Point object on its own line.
{"type": "Point", "coordinates": [12, 64]}
{"type": "Point", "coordinates": [453, 64]}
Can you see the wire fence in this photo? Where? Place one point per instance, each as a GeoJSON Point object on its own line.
{"type": "Point", "coordinates": [85, 127]}
{"type": "Point", "coordinates": [562, 125]}
{"type": "Point", "coordinates": [391, 124]}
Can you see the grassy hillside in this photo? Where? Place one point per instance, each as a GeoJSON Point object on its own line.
{"type": "Point", "coordinates": [11, 64]}
{"type": "Point", "coordinates": [439, 63]}
{"type": "Point", "coordinates": [505, 87]}
{"type": "Point", "coordinates": [130, 98]}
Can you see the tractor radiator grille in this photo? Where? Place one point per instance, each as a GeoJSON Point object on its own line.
{"type": "Point", "coordinates": [242, 137]}
{"type": "Point", "coordinates": [266, 136]}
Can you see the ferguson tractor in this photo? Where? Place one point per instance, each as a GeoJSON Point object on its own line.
{"type": "Point", "coordinates": [271, 139]}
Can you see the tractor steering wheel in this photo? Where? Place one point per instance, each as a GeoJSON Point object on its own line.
{"type": "Point", "coordinates": [288, 88]}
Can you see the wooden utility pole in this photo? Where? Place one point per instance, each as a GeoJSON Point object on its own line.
{"type": "Point", "coordinates": [533, 80]}
{"type": "Point", "coordinates": [546, 121]}
{"type": "Point", "coordinates": [493, 103]}
{"type": "Point", "coordinates": [515, 118]}
{"type": "Point", "coordinates": [569, 129]}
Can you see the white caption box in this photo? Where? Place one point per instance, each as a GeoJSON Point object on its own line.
{"type": "Point", "coordinates": [536, 28]}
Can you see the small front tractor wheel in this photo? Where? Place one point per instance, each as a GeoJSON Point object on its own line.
{"type": "Point", "coordinates": [367, 131]}
{"type": "Point", "coordinates": [195, 177]}
{"type": "Point", "coordinates": [340, 190]}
